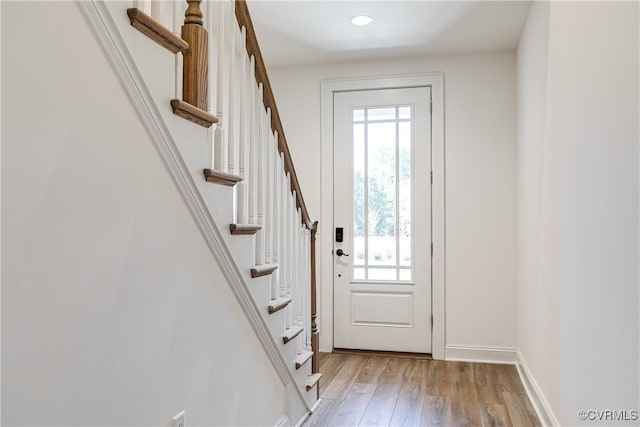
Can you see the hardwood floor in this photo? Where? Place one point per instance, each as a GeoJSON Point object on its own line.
{"type": "Point", "coordinates": [385, 390]}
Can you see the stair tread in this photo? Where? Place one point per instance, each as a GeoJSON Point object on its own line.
{"type": "Point", "coordinates": [312, 380]}
{"type": "Point", "coordinates": [193, 114]}
{"type": "Point", "coordinates": [291, 333]}
{"type": "Point", "coordinates": [303, 358]}
{"type": "Point", "coordinates": [244, 228]}
{"type": "Point", "coordinates": [263, 270]}
{"type": "Point", "coordinates": [156, 31]}
{"type": "Point", "coordinates": [221, 178]}
{"type": "Point", "coordinates": [278, 304]}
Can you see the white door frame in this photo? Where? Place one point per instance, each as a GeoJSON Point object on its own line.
{"type": "Point", "coordinates": [325, 278]}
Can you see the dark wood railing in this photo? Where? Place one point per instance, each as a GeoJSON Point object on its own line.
{"type": "Point", "coordinates": [244, 20]}
{"type": "Point", "coordinates": [194, 106]}
{"type": "Point", "coordinates": [253, 49]}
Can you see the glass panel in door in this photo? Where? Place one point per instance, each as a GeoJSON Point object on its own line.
{"type": "Point", "coordinates": [382, 194]}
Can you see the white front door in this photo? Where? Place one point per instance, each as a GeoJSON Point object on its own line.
{"type": "Point", "coordinates": [382, 220]}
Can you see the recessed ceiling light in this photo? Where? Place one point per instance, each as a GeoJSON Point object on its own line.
{"type": "Point", "coordinates": [361, 20]}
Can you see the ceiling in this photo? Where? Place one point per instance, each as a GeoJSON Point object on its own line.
{"type": "Point", "coordinates": [311, 31]}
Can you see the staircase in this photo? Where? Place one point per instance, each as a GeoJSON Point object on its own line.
{"type": "Point", "coordinates": [207, 57]}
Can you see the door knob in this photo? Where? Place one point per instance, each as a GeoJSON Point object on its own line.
{"type": "Point", "coordinates": [340, 252]}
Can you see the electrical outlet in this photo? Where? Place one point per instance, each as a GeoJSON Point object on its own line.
{"type": "Point", "coordinates": [178, 420]}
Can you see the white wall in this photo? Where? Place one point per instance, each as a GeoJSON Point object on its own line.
{"type": "Point", "coordinates": [480, 146]}
{"type": "Point", "coordinates": [578, 206]}
{"type": "Point", "coordinates": [114, 311]}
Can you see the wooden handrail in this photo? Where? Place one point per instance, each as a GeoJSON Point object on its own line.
{"type": "Point", "coordinates": [244, 20]}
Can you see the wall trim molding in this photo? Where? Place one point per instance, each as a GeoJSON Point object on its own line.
{"type": "Point", "coordinates": [436, 81]}
{"type": "Point", "coordinates": [106, 32]}
{"type": "Point", "coordinates": [535, 394]}
{"type": "Point", "coordinates": [462, 353]}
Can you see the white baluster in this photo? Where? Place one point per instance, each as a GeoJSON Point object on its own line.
{"type": "Point", "coordinates": [213, 70]}
{"type": "Point", "coordinates": [298, 284]}
{"type": "Point", "coordinates": [155, 10]}
{"type": "Point", "coordinates": [307, 287]}
{"type": "Point", "coordinates": [282, 235]}
{"type": "Point", "coordinates": [178, 17]}
{"type": "Point", "coordinates": [268, 188]}
{"type": "Point", "coordinates": [292, 257]}
{"type": "Point", "coordinates": [270, 218]}
{"type": "Point", "coordinates": [303, 283]}
{"type": "Point", "coordinates": [233, 93]}
{"type": "Point", "coordinates": [277, 189]}
{"type": "Point", "coordinates": [144, 5]}
{"type": "Point", "coordinates": [164, 13]}
{"type": "Point", "coordinates": [220, 148]}
{"type": "Point", "coordinates": [245, 105]}
{"type": "Point", "coordinates": [299, 306]}
{"type": "Point", "coordinates": [305, 290]}
{"type": "Point", "coordinates": [289, 251]}
{"type": "Point", "coordinates": [284, 279]}
{"type": "Point", "coordinates": [260, 187]}
{"type": "Point", "coordinates": [272, 252]}
{"type": "Point", "coordinates": [212, 23]}
{"type": "Point", "coordinates": [251, 172]}
{"type": "Point", "coordinates": [293, 270]}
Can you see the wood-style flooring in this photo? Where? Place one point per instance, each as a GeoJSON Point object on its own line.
{"type": "Point", "coordinates": [364, 390]}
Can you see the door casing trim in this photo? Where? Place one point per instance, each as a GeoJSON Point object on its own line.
{"type": "Point", "coordinates": [325, 279]}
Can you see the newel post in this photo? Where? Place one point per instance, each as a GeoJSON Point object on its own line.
{"type": "Point", "coordinates": [315, 335]}
{"type": "Point", "coordinates": [195, 60]}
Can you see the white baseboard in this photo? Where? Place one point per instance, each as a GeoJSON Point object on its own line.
{"type": "Point", "coordinates": [308, 414]}
{"type": "Point", "coordinates": [480, 354]}
{"type": "Point", "coordinates": [315, 407]}
{"type": "Point", "coordinates": [536, 397]}
{"type": "Point", "coordinates": [282, 422]}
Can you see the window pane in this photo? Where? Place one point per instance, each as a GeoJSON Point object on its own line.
{"type": "Point", "coordinates": [382, 274]}
{"type": "Point", "coordinates": [358, 249]}
{"type": "Point", "coordinates": [358, 183]}
{"type": "Point", "coordinates": [382, 250]}
{"type": "Point", "coordinates": [405, 251]}
{"type": "Point", "coordinates": [404, 192]}
{"type": "Point", "coordinates": [386, 113]}
{"type": "Point", "coordinates": [381, 187]}
{"type": "Point", "coordinates": [382, 193]}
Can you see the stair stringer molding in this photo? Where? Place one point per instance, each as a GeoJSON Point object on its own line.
{"type": "Point", "coordinates": [115, 48]}
{"type": "Point", "coordinates": [193, 145]}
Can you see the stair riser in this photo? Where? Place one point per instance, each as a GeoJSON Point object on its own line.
{"type": "Point", "coordinates": [259, 289]}
{"type": "Point", "coordinates": [301, 376]}
{"type": "Point", "coordinates": [219, 200]}
{"type": "Point", "coordinates": [303, 358]}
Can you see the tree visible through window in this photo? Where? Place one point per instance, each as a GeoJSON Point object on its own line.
{"type": "Point", "coordinates": [382, 193]}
